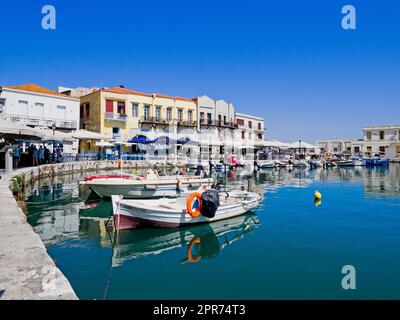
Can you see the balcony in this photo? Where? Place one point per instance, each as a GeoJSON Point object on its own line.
{"type": "Point", "coordinates": [167, 121]}
{"type": "Point", "coordinates": [186, 123]}
{"type": "Point", "coordinates": [111, 116]}
{"type": "Point", "coordinates": [218, 123]}
{"type": "Point", "coordinates": [43, 121]}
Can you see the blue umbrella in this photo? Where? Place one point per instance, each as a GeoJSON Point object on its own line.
{"type": "Point", "coordinates": [142, 139]}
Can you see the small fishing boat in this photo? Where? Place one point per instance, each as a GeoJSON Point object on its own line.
{"type": "Point", "coordinates": [269, 164]}
{"type": "Point", "coordinates": [329, 163]}
{"type": "Point", "coordinates": [315, 164]}
{"type": "Point", "coordinates": [149, 186]}
{"type": "Point", "coordinates": [345, 163]}
{"type": "Point", "coordinates": [130, 214]}
{"type": "Point", "coordinates": [359, 162]}
{"type": "Point", "coordinates": [300, 164]}
{"type": "Point", "coordinates": [376, 162]}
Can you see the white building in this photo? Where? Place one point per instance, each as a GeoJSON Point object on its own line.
{"type": "Point", "coordinates": [250, 132]}
{"type": "Point", "coordinates": [216, 126]}
{"type": "Point", "coordinates": [33, 105]}
{"type": "Point", "coordinates": [383, 140]}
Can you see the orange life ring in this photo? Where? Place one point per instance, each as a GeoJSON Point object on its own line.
{"type": "Point", "coordinates": [196, 258]}
{"type": "Point", "coordinates": [196, 212]}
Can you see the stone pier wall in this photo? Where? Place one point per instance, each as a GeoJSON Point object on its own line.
{"type": "Point", "coordinates": [26, 269]}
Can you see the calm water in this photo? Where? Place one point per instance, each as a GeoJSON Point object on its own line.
{"type": "Point", "coordinates": [289, 247]}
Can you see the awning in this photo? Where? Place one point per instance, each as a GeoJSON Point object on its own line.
{"type": "Point", "coordinates": [54, 135]}
{"type": "Point", "coordinates": [301, 145]}
{"type": "Point", "coordinates": [13, 130]}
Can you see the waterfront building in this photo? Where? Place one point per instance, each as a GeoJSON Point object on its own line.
{"type": "Point", "coordinates": [122, 114]}
{"type": "Point", "coordinates": [216, 127]}
{"type": "Point", "coordinates": [382, 140]}
{"type": "Point", "coordinates": [250, 133]}
{"type": "Point", "coordinates": [32, 105]}
{"type": "Point", "coordinates": [334, 147]}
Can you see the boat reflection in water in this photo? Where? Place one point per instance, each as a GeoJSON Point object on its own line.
{"type": "Point", "coordinates": [203, 241]}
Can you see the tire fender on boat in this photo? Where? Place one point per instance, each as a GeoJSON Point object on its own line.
{"type": "Point", "coordinates": [191, 258]}
{"type": "Point", "coordinates": [196, 212]}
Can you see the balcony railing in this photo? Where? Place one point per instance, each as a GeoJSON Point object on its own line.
{"type": "Point", "coordinates": [111, 116]}
{"type": "Point", "coordinates": [218, 123]}
{"type": "Point", "coordinates": [168, 121]}
{"type": "Point", "coordinates": [43, 121]}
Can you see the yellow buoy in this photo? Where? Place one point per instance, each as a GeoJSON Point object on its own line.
{"type": "Point", "coordinates": [317, 195]}
{"type": "Point", "coordinates": [317, 202]}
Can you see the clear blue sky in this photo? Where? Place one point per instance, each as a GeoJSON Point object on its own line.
{"type": "Point", "coordinates": [288, 61]}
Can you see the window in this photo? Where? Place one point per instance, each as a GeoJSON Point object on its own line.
{"type": "Point", "coordinates": [81, 111]}
{"type": "Point", "coordinates": [369, 148]}
{"type": "Point", "coordinates": [259, 126]}
{"type": "Point", "coordinates": [225, 120]}
{"type": "Point", "coordinates": [180, 115]}
{"type": "Point", "coordinates": [259, 136]}
{"type": "Point", "coordinates": [201, 117]}
{"type": "Point", "coordinates": [382, 135]}
{"type": "Point", "coordinates": [169, 114]}
{"type": "Point", "coordinates": [146, 112]}
{"type": "Point", "coordinates": [219, 119]}
{"type": "Point", "coordinates": [249, 135]}
{"type": "Point", "coordinates": [2, 104]}
{"type": "Point", "coordinates": [87, 110]}
{"type": "Point", "coordinates": [135, 110]}
{"type": "Point", "coordinates": [382, 149]}
{"type": "Point", "coordinates": [243, 134]}
{"type": "Point", "coordinates": [109, 106]}
{"type": "Point", "coordinates": [22, 108]}
{"type": "Point", "coordinates": [38, 110]}
{"type": "Point", "coordinates": [356, 149]}
{"type": "Point", "coordinates": [61, 112]}
{"type": "Point", "coordinates": [190, 116]}
{"type": "Point", "coordinates": [121, 107]}
{"type": "Point", "coordinates": [250, 124]}
{"type": "Point", "coordinates": [240, 122]}
{"type": "Point", "coordinates": [158, 113]}
{"type": "Point", "coordinates": [368, 135]}
{"type": "Point", "coordinates": [208, 118]}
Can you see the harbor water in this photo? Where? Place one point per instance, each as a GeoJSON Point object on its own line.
{"type": "Point", "coordinates": [291, 247]}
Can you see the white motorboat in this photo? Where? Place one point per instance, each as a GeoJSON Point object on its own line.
{"type": "Point", "coordinates": [167, 212]}
{"type": "Point", "coordinates": [345, 163]}
{"type": "Point", "coordinates": [149, 186]}
{"type": "Point", "coordinates": [268, 164]}
{"type": "Point", "coordinates": [300, 164]}
{"type": "Point", "coordinates": [359, 162]}
{"type": "Point", "coordinates": [316, 164]}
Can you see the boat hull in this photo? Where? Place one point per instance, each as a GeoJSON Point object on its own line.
{"type": "Point", "coordinates": [131, 216]}
{"type": "Point", "coordinates": [150, 189]}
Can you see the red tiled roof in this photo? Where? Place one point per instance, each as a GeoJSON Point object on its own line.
{"type": "Point", "coordinates": [35, 88]}
{"type": "Point", "coordinates": [158, 95]}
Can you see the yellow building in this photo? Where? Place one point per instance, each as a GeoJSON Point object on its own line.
{"type": "Point", "coordinates": [122, 114]}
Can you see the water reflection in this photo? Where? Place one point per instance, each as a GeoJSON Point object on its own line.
{"type": "Point", "coordinates": [202, 241]}
{"type": "Point", "coordinates": [57, 208]}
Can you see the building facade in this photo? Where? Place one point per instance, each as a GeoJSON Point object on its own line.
{"type": "Point", "coordinates": [250, 133]}
{"type": "Point", "coordinates": [381, 141]}
{"type": "Point", "coordinates": [34, 106]}
{"type": "Point", "coordinates": [123, 114]}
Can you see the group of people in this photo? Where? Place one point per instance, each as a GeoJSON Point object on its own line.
{"type": "Point", "coordinates": [37, 156]}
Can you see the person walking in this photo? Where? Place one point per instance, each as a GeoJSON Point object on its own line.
{"type": "Point", "coordinates": [35, 156]}
{"type": "Point", "coordinates": [46, 155]}
{"type": "Point", "coordinates": [16, 156]}
{"type": "Point", "coordinates": [41, 155]}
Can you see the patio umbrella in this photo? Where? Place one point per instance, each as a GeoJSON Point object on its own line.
{"type": "Point", "coordinates": [13, 130]}
{"type": "Point", "coordinates": [83, 134]}
{"type": "Point", "coordinates": [50, 135]}
{"type": "Point", "coordinates": [142, 139]}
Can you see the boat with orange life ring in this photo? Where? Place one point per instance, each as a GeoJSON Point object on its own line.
{"type": "Point", "coordinates": [194, 212]}
{"type": "Point", "coordinates": [170, 212]}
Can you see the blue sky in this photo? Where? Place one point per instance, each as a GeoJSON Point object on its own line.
{"type": "Point", "coordinates": [287, 61]}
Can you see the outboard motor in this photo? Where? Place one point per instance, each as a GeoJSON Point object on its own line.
{"type": "Point", "coordinates": [209, 203]}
